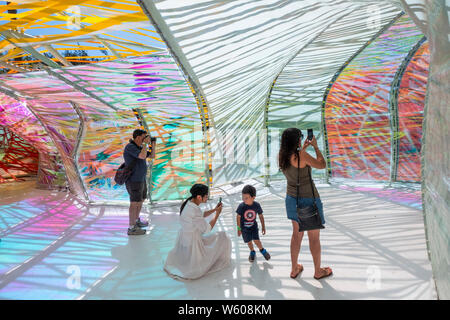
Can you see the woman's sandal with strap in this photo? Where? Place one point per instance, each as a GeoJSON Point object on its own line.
{"type": "Point", "coordinates": [326, 274]}
{"type": "Point", "coordinates": [300, 270]}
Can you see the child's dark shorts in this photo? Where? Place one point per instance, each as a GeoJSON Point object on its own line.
{"type": "Point", "coordinates": [249, 234]}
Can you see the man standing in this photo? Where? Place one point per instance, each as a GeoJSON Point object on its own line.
{"type": "Point", "coordinates": [136, 184]}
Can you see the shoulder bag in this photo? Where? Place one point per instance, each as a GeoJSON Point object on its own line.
{"type": "Point", "coordinates": [124, 172]}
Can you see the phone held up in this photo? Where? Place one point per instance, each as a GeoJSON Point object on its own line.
{"type": "Point", "coordinates": [310, 134]}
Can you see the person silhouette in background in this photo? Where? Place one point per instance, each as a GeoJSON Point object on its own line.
{"type": "Point", "coordinates": [137, 150]}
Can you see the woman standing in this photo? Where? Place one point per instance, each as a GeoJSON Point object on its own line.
{"type": "Point", "coordinates": [288, 157]}
{"type": "Point", "coordinates": [195, 255]}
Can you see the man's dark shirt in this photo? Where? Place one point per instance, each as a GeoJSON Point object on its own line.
{"type": "Point", "coordinates": [130, 153]}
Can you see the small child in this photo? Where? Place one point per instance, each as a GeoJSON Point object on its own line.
{"type": "Point", "coordinates": [246, 222]}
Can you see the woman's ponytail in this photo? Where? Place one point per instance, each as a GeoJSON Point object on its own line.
{"type": "Point", "coordinates": [184, 204]}
{"type": "Point", "coordinates": [196, 190]}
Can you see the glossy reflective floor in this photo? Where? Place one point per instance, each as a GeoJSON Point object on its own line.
{"type": "Point", "coordinates": [56, 247]}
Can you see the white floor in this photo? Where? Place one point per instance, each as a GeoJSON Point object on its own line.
{"type": "Point", "coordinates": [55, 247]}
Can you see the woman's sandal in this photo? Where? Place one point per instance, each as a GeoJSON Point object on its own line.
{"type": "Point", "coordinates": [300, 269]}
{"type": "Point", "coordinates": [326, 274]}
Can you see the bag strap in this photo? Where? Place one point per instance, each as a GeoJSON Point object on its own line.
{"type": "Point", "coordinates": [298, 176]}
{"type": "Point", "coordinates": [310, 181]}
{"type": "Point", "coordinates": [298, 180]}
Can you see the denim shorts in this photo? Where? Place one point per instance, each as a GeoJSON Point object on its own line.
{"type": "Point", "coordinates": [291, 206]}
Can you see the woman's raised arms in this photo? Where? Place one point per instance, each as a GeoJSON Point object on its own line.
{"type": "Point", "coordinates": [307, 159]}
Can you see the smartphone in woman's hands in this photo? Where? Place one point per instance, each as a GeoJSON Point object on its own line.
{"type": "Point", "coordinates": [219, 205]}
{"type": "Point", "coordinates": [310, 134]}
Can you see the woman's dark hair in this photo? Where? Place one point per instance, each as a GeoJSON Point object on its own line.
{"type": "Point", "coordinates": [290, 140]}
{"type": "Point", "coordinates": [196, 190]}
{"type": "Point", "coordinates": [250, 190]}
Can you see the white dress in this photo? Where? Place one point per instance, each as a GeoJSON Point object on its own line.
{"type": "Point", "coordinates": [195, 255]}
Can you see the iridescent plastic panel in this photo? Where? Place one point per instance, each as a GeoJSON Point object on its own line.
{"type": "Point", "coordinates": [155, 86]}
{"type": "Point", "coordinates": [179, 161]}
{"type": "Point", "coordinates": [62, 124]}
{"type": "Point", "coordinates": [47, 97]}
{"type": "Point", "coordinates": [18, 158]}
{"type": "Point", "coordinates": [235, 49]}
{"type": "Point", "coordinates": [101, 152]}
{"type": "Point", "coordinates": [19, 119]}
{"type": "Point", "coordinates": [434, 19]}
{"type": "Point", "coordinates": [296, 98]}
{"type": "Point", "coordinates": [411, 101]}
{"type": "Point", "coordinates": [74, 32]}
{"type": "Point", "coordinates": [357, 108]}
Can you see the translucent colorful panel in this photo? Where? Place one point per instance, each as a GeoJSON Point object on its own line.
{"type": "Point", "coordinates": [155, 86]}
{"type": "Point", "coordinates": [51, 174]}
{"type": "Point", "coordinates": [133, 83]}
{"type": "Point", "coordinates": [433, 17]}
{"type": "Point", "coordinates": [101, 150]}
{"type": "Point", "coordinates": [62, 124]}
{"type": "Point", "coordinates": [411, 101]}
{"type": "Point", "coordinates": [18, 118]}
{"type": "Point", "coordinates": [179, 161]}
{"type": "Point", "coordinates": [72, 33]}
{"type": "Point", "coordinates": [47, 98]}
{"type": "Point", "coordinates": [235, 49]}
{"type": "Point", "coordinates": [17, 157]}
{"type": "Point", "coordinates": [297, 95]}
{"type": "Point", "coordinates": [357, 108]}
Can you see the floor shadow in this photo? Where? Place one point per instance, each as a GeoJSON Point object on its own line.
{"type": "Point", "coordinates": [262, 280]}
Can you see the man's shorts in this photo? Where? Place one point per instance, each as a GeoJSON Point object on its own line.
{"type": "Point", "coordinates": [137, 190]}
{"type": "Point", "coordinates": [250, 234]}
